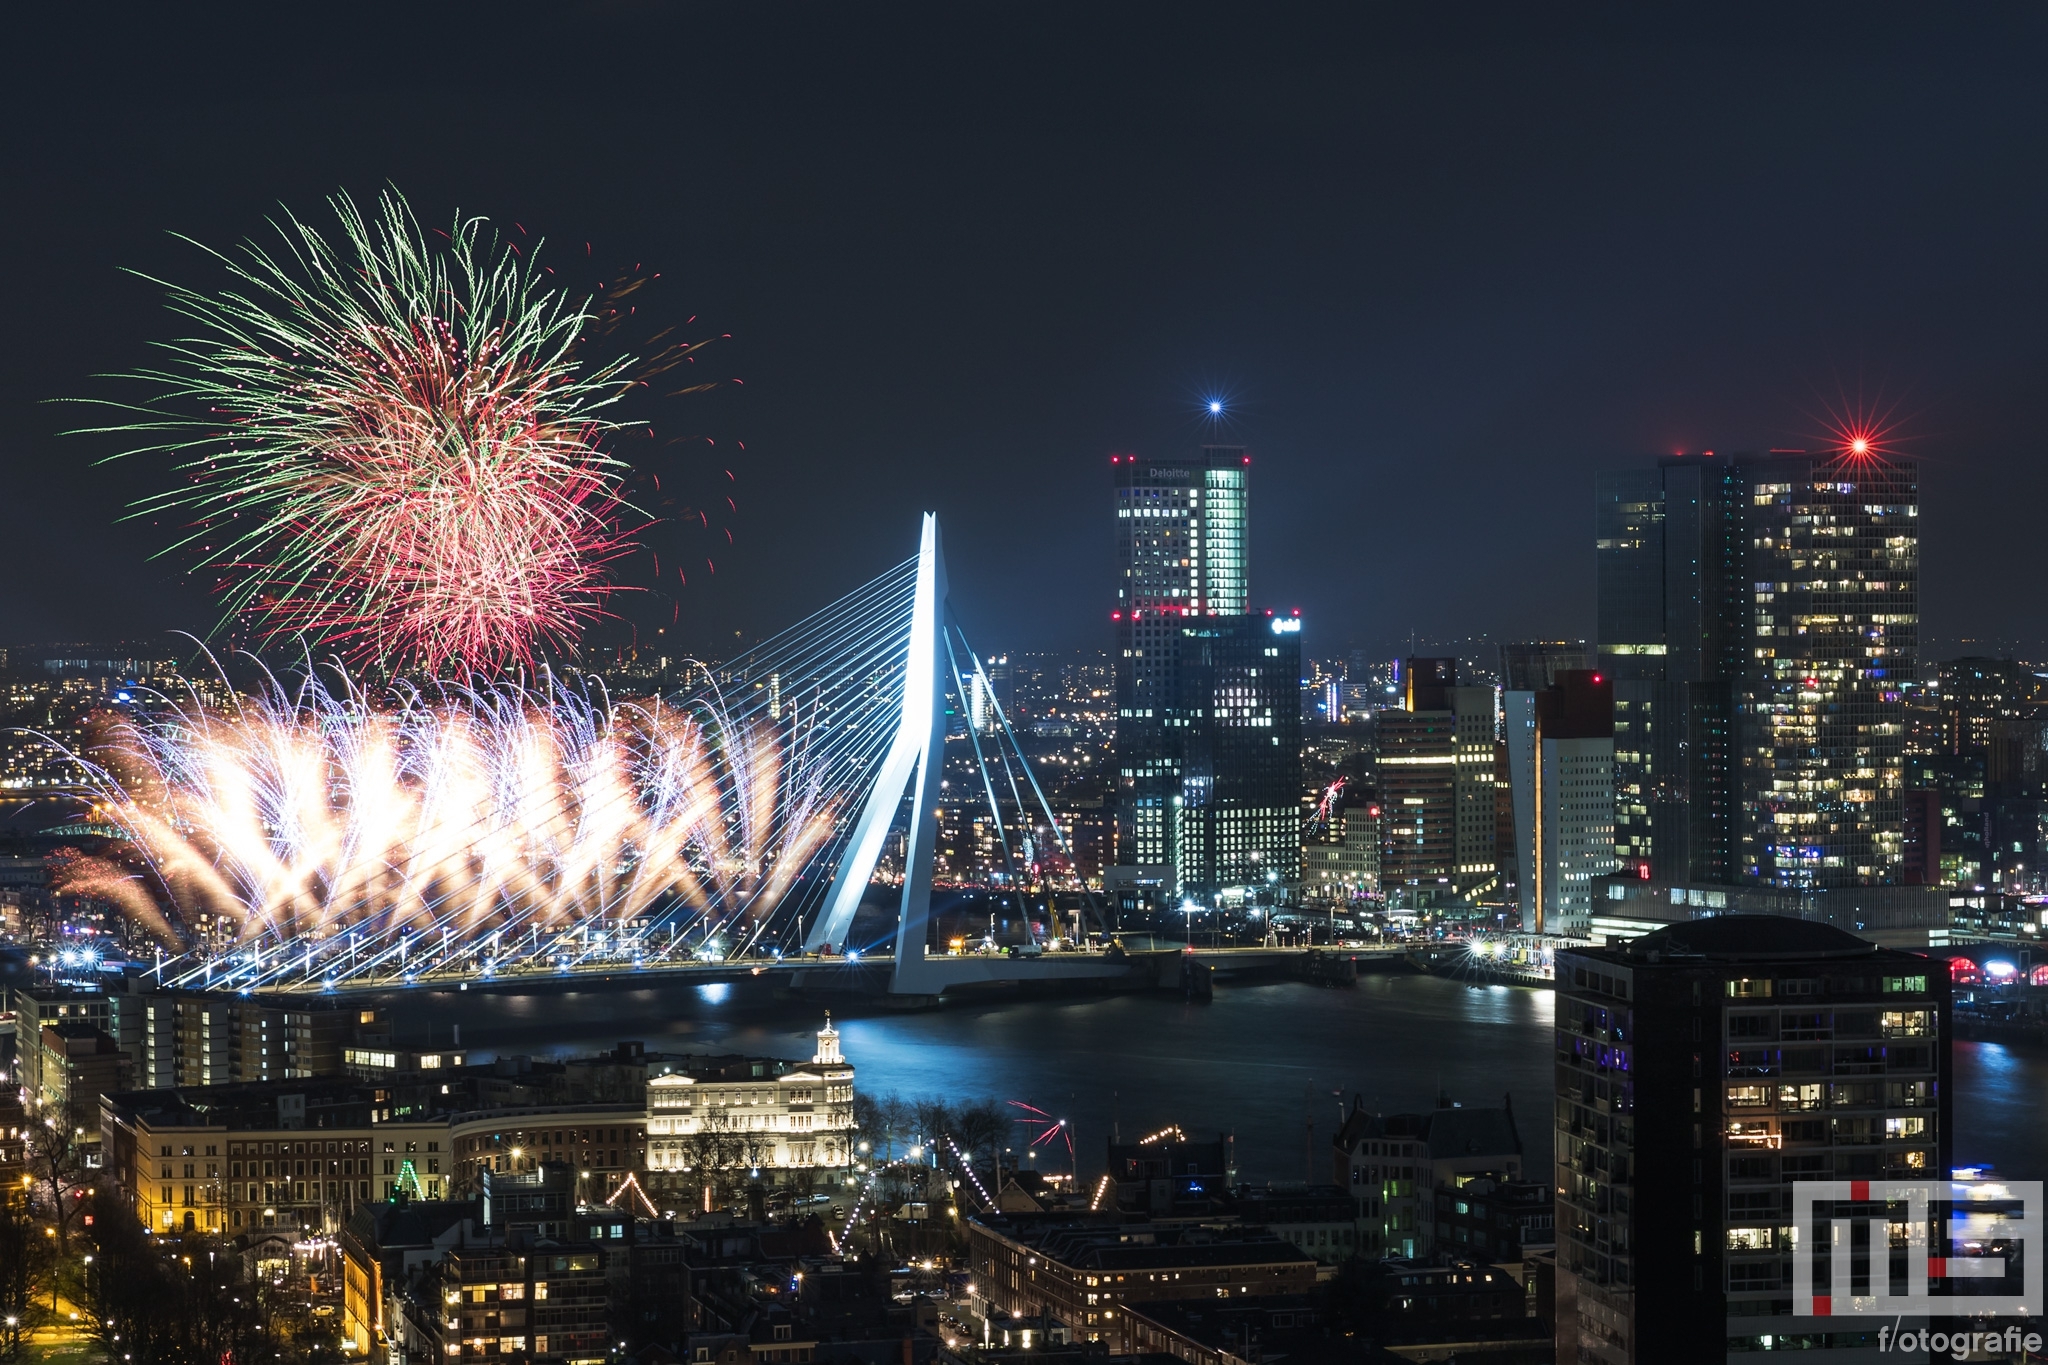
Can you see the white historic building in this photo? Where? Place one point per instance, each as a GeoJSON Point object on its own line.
{"type": "Point", "coordinates": [769, 1115]}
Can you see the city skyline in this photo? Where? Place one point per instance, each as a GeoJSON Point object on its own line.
{"type": "Point", "coordinates": [1616, 311]}
{"type": "Point", "coordinates": [592, 773]}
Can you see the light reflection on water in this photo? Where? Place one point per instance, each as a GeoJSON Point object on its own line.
{"type": "Point", "coordinates": [2001, 1101]}
{"type": "Point", "coordinates": [1260, 1061]}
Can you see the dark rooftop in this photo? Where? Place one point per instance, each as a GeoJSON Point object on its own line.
{"type": "Point", "coordinates": [1746, 938]}
{"type": "Point", "coordinates": [408, 1223]}
{"type": "Point", "coordinates": [1451, 1131]}
{"type": "Point", "coordinates": [1105, 1244]}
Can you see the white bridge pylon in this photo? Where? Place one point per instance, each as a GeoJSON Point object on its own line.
{"type": "Point", "coordinates": [916, 757]}
{"type": "Point", "coordinates": [916, 754]}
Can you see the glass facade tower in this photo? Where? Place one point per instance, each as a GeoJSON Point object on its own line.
{"type": "Point", "coordinates": [1670, 555]}
{"type": "Point", "coordinates": [1181, 583]}
{"type": "Point", "coordinates": [1758, 615]}
{"type": "Point", "coordinates": [1834, 545]}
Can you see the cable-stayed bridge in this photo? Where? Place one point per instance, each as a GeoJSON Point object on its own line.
{"type": "Point", "coordinates": [501, 836]}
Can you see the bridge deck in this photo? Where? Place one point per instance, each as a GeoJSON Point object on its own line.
{"type": "Point", "coordinates": [1142, 969]}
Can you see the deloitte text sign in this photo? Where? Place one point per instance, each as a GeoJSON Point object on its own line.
{"type": "Point", "coordinates": [1898, 1247]}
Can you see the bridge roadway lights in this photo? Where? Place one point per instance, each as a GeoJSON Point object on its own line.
{"type": "Point", "coordinates": [929, 978]}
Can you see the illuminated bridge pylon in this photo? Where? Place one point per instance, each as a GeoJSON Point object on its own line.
{"type": "Point", "coordinates": [915, 760]}
{"type": "Point", "coordinates": [914, 764]}
{"type": "Point", "coordinates": [501, 832]}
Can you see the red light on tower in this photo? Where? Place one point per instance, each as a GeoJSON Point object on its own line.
{"type": "Point", "coordinates": [1862, 431]}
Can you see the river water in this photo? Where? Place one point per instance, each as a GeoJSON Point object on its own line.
{"type": "Point", "coordinates": [1263, 1062]}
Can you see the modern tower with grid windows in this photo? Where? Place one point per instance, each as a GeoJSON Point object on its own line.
{"type": "Point", "coordinates": [1759, 615]}
{"type": "Point", "coordinates": [1834, 544]}
{"type": "Point", "coordinates": [1185, 639]}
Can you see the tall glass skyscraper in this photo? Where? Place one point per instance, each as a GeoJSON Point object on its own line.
{"type": "Point", "coordinates": [1192, 664]}
{"type": "Point", "coordinates": [1758, 614]}
{"type": "Point", "coordinates": [1835, 561]}
{"type": "Point", "coordinates": [1670, 557]}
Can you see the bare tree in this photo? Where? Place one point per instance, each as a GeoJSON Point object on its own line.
{"type": "Point", "coordinates": [53, 1153]}
{"type": "Point", "coordinates": [25, 1266]}
{"type": "Point", "coordinates": [978, 1128]}
{"type": "Point", "coordinates": [933, 1118]}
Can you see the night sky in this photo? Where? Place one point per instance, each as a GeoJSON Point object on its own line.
{"type": "Point", "coordinates": [1443, 264]}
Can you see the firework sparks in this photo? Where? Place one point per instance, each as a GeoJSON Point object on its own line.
{"type": "Point", "coordinates": [391, 444]}
{"type": "Point", "coordinates": [484, 826]}
{"type": "Point", "coordinates": [1042, 1128]}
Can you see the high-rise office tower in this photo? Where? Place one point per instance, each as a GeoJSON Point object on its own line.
{"type": "Point", "coordinates": [1181, 534]}
{"type": "Point", "coordinates": [1672, 616]}
{"type": "Point", "coordinates": [1758, 614]}
{"type": "Point", "coordinates": [1238, 821]}
{"type": "Point", "coordinates": [1195, 675]}
{"type": "Point", "coordinates": [1560, 743]}
{"type": "Point", "coordinates": [1180, 546]}
{"type": "Point", "coordinates": [1436, 773]}
{"type": "Point", "coordinates": [1834, 557]}
{"type": "Point", "coordinates": [1701, 1070]}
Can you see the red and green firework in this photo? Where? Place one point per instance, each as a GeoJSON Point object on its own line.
{"type": "Point", "coordinates": [391, 443]}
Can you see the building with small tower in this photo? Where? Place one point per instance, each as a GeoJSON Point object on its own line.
{"type": "Point", "coordinates": [782, 1118]}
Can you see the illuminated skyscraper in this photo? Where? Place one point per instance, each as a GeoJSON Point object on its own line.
{"type": "Point", "coordinates": [1834, 543]}
{"type": "Point", "coordinates": [1561, 757]}
{"type": "Point", "coordinates": [1436, 767]}
{"type": "Point", "coordinates": [1758, 615]}
{"type": "Point", "coordinates": [1181, 534]}
{"type": "Point", "coordinates": [1238, 821]}
{"type": "Point", "coordinates": [1180, 541]}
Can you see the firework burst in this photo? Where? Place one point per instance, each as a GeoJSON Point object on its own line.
{"type": "Point", "coordinates": [499, 819]}
{"type": "Point", "coordinates": [392, 444]}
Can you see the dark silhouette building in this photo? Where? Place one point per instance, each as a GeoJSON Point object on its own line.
{"type": "Point", "coordinates": [1701, 1070]}
{"type": "Point", "coordinates": [1672, 632]}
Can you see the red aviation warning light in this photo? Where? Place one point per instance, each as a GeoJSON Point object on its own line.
{"type": "Point", "coordinates": [1863, 431]}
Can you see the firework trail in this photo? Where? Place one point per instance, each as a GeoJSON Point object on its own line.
{"type": "Point", "coordinates": [458, 830]}
{"type": "Point", "coordinates": [392, 445]}
{"type": "Point", "coordinates": [1041, 1128]}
